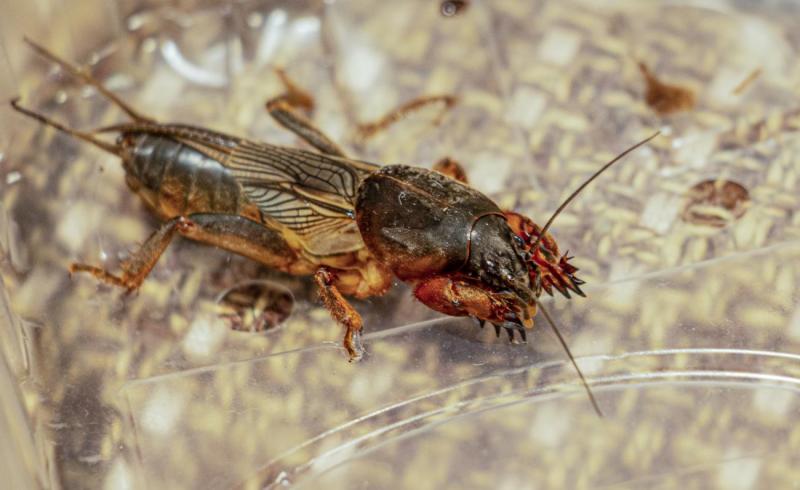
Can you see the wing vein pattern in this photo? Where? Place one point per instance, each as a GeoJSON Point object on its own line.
{"type": "Point", "coordinates": [310, 193]}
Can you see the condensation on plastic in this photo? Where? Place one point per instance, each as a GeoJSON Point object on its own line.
{"type": "Point", "coordinates": [509, 412]}
{"type": "Point", "coordinates": [691, 344]}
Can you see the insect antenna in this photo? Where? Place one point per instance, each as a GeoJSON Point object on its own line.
{"type": "Point", "coordinates": [88, 137]}
{"type": "Point", "coordinates": [83, 75]}
{"type": "Point", "coordinates": [583, 186]}
{"type": "Point", "coordinates": [571, 358]}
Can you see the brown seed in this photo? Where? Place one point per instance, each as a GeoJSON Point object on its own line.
{"type": "Point", "coordinates": [255, 306]}
{"type": "Point", "coordinates": [716, 203]}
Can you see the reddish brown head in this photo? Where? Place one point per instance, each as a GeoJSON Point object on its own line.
{"type": "Point", "coordinates": [549, 269]}
{"type": "Point", "coordinates": [423, 225]}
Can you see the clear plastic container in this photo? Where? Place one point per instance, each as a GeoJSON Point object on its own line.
{"type": "Point", "coordinates": [689, 335]}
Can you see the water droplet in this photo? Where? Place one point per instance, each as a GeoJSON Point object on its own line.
{"type": "Point", "coordinates": [254, 20]}
{"type": "Point", "coordinates": [12, 177]}
{"type": "Point", "coordinates": [149, 45]}
{"type": "Point", "coordinates": [450, 8]}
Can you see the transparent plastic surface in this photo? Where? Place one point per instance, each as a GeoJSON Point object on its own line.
{"type": "Point", "coordinates": [690, 334]}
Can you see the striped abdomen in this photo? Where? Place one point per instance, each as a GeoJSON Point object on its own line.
{"type": "Point", "coordinates": [174, 179]}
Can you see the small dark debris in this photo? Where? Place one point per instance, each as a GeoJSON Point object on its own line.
{"type": "Point", "coordinates": [665, 98]}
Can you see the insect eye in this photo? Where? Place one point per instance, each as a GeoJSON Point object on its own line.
{"type": "Point", "coordinates": [519, 241]}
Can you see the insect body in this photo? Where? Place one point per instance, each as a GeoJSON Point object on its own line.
{"type": "Point", "coordinates": [351, 224]}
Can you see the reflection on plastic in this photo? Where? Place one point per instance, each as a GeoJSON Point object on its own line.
{"type": "Point", "coordinates": [693, 357]}
{"type": "Point", "coordinates": [382, 415]}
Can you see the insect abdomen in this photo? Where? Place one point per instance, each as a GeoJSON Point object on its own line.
{"type": "Point", "coordinates": [178, 180]}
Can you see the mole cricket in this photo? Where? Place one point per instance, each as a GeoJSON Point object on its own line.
{"type": "Point", "coordinates": [351, 224]}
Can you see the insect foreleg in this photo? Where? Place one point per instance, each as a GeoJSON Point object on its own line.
{"type": "Point", "coordinates": [342, 311]}
{"type": "Point", "coordinates": [457, 297]}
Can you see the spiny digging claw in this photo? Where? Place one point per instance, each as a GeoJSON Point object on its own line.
{"type": "Point", "coordinates": [510, 328]}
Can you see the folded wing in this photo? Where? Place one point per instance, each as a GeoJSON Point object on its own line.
{"type": "Point", "coordinates": [311, 194]}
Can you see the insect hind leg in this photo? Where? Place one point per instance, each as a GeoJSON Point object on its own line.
{"type": "Point", "coordinates": [83, 75]}
{"type": "Point", "coordinates": [451, 168]}
{"type": "Point", "coordinates": [285, 108]}
{"type": "Point", "coordinates": [447, 101]}
{"type": "Point", "coordinates": [230, 232]}
{"type": "Point", "coordinates": [139, 265]}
